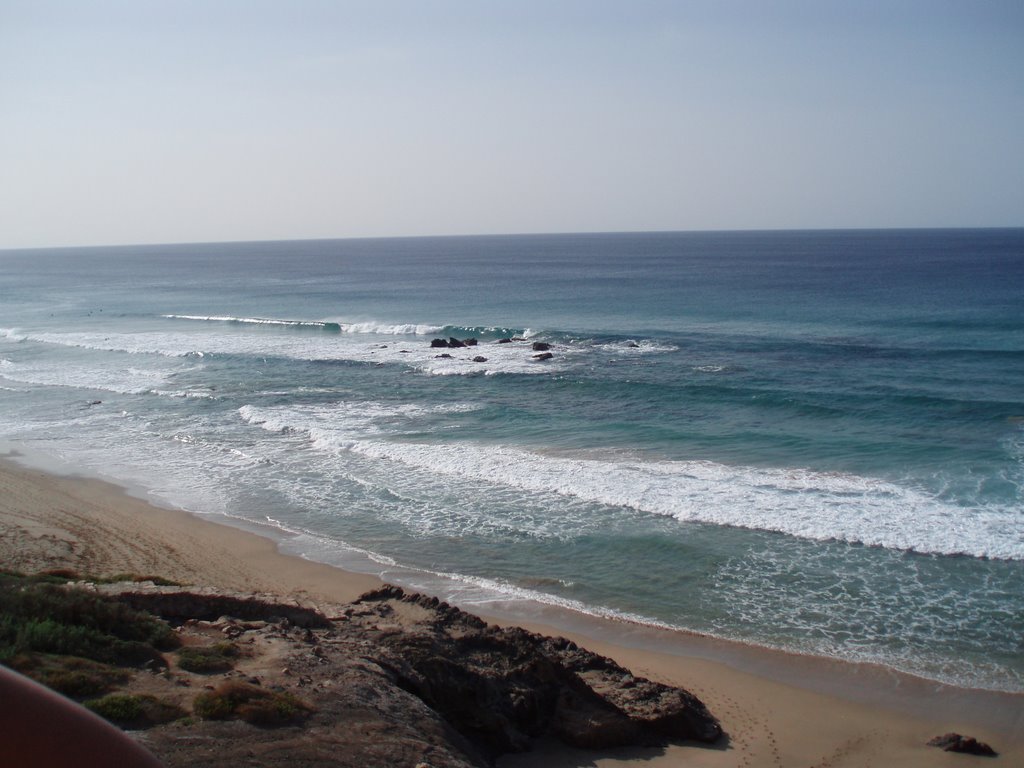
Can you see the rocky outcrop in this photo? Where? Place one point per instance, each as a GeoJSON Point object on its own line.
{"type": "Point", "coordinates": [453, 343]}
{"type": "Point", "coordinates": [402, 679]}
{"type": "Point", "coordinates": [954, 742]}
{"type": "Point", "coordinates": [503, 687]}
{"type": "Point", "coordinates": [671, 712]}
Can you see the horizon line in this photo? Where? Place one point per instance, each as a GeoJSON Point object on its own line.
{"type": "Point", "coordinates": [566, 233]}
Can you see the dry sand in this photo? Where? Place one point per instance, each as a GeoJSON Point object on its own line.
{"type": "Point", "coordinates": [778, 709]}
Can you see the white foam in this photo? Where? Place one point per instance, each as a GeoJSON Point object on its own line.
{"type": "Point", "coordinates": [501, 358]}
{"type": "Point", "coordinates": [638, 347]}
{"type": "Point", "coordinates": [347, 420]}
{"type": "Point", "coordinates": [125, 381]}
{"type": "Point", "coordinates": [401, 329]}
{"type": "Point", "coordinates": [387, 329]}
{"type": "Point", "coordinates": [188, 394]}
{"type": "Point", "coordinates": [717, 369]}
{"type": "Point", "coordinates": [244, 320]}
{"type": "Point", "coordinates": [799, 502]}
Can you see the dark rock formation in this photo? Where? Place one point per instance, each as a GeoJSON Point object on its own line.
{"type": "Point", "coordinates": [540, 346]}
{"type": "Point", "coordinates": [403, 679]}
{"type": "Point", "coordinates": [954, 742]}
{"type": "Point", "coordinates": [502, 687]}
{"type": "Point", "coordinates": [444, 356]}
{"type": "Point", "coordinates": [543, 356]}
{"type": "Point", "coordinates": [504, 341]}
{"type": "Point", "coordinates": [660, 708]}
{"type": "Point", "coordinates": [452, 343]}
{"type": "Point", "coordinates": [479, 359]}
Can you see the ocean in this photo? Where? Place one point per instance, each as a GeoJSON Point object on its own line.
{"type": "Point", "coordinates": [807, 440]}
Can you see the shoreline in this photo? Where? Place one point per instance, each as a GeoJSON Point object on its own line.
{"type": "Point", "coordinates": [779, 708]}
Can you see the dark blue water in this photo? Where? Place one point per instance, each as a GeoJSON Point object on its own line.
{"type": "Point", "coordinates": [813, 440]}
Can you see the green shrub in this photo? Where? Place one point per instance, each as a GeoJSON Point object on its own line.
{"type": "Point", "coordinates": [250, 703]}
{"type": "Point", "coordinates": [41, 617]}
{"type": "Point", "coordinates": [77, 685]}
{"type": "Point", "coordinates": [209, 659]}
{"type": "Point", "coordinates": [277, 709]}
{"type": "Point", "coordinates": [210, 706]}
{"type": "Point", "coordinates": [73, 676]}
{"type": "Point", "coordinates": [49, 636]}
{"type": "Point", "coordinates": [118, 708]}
{"type": "Point", "coordinates": [130, 710]}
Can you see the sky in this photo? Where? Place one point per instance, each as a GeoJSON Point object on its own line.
{"type": "Point", "coordinates": [220, 120]}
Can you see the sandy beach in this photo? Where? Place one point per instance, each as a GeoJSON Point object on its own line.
{"type": "Point", "coordinates": [778, 709]}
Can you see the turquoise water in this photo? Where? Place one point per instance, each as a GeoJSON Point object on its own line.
{"type": "Point", "coordinates": [809, 440]}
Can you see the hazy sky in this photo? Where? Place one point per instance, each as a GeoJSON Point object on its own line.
{"type": "Point", "coordinates": [178, 121]}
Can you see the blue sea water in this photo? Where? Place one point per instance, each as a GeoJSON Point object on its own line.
{"type": "Point", "coordinates": [806, 440]}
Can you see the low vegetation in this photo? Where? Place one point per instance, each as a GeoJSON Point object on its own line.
{"type": "Point", "coordinates": [133, 711]}
{"type": "Point", "coordinates": [63, 575]}
{"type": "Point", "coordinates": [38, 616]}
{"type": "Point", "coordinates": [74, 677]}
{"type": "Point", "coordinates": [209, 659]}
{"type": "Point", "coordinates": [117, 578]}
{"type": "Point", "coordinates": [251, 703]}
{"type": "Point", "coordinates": [91, 647]}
